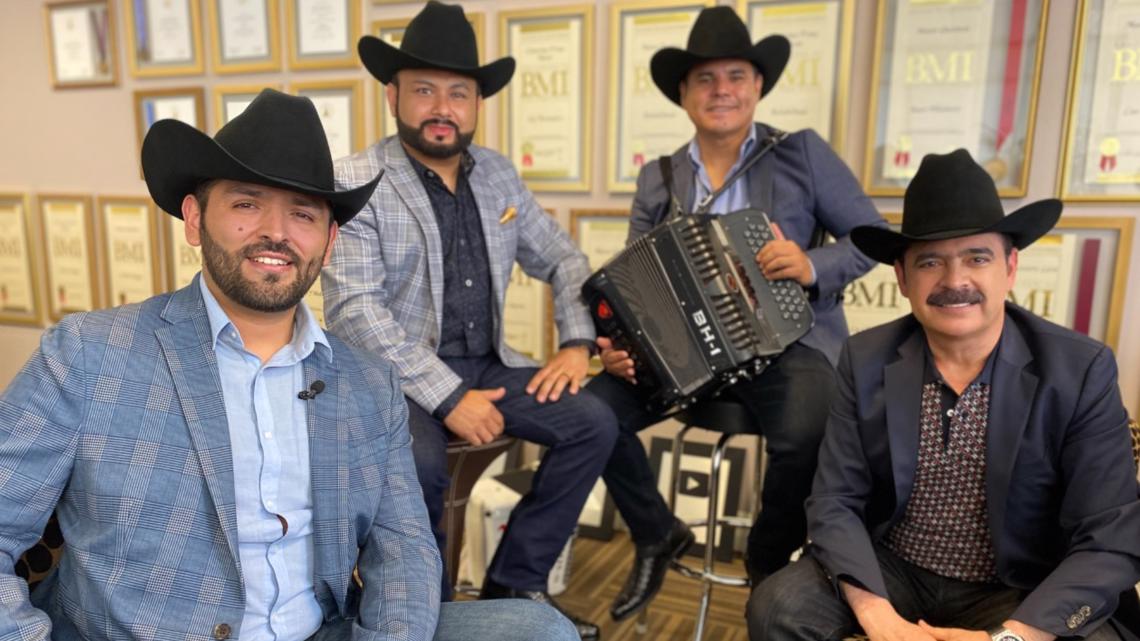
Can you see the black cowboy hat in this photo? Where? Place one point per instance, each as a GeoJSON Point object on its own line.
{"type": "Point", "coordinates": [951, 196]}
{"type": "Point", "coordinates": [277, 141]}
{"type": "Point", "coordinates": [719, 33]}
{"type": "Point", "coordinates": [439, 37]}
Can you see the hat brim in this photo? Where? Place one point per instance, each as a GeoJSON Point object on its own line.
{"type": "Point", "coordinates": [382, 60]}
{"type": "Point", "coordinates": [669, 66]}
{"type": "Point", "coordinates": [1024, 226]}
{"type": "Point", "coordinates": [176, 158]}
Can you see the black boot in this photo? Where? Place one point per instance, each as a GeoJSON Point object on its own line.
{"type": "Point", "coordinates": [648, 571]}
{"type": "Point", "coordinates": [491, 590]}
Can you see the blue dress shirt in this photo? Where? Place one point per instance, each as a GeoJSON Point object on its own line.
{"type": "Point", "coordinates": [270, 444]}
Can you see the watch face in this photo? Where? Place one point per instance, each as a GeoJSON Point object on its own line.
{"type": "Point", "coordinates": [1006, 636]}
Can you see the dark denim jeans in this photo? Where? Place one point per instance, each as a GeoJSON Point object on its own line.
{"type": "Point", "coordinates": [789, 402]}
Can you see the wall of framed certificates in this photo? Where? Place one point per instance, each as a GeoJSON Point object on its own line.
{"type": "Point", "coordinates": [1040, 91]}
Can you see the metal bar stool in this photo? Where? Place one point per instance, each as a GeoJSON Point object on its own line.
{"type": "Point", "coordinates": [465, 464]}
{"type": "Point", "coordinates": [730, 419]}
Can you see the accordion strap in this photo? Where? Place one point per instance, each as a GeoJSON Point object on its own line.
{"type": "Point", "coordinates": [675, 208]}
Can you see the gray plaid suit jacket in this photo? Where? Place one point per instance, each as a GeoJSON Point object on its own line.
{"type": "Point", "coordinates": [383, 289]}
{"type": "Point", "coordinates": [118, 422]}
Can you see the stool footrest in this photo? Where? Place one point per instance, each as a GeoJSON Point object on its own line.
{"type": "Point", "coordinates": [710, 577]}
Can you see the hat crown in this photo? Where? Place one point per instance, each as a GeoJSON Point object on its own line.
{"type": "Point", "coordinates": [280, 136]}
{"type": "Point", "coordinates": [719, 33]}
{"type": "Point", "coordinates": [440, 33]}
{"type": "Point", "coordinates": [950, 192]}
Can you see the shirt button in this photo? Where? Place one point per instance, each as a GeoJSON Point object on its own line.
{"type": "Point", "coordinates": [467, 282]}
{"type": "Point", "coordinates": [462, 242]}
{"type": "Point", "coordinates": [471, 325]}
{"type": "Point", "coordinates": [949, 412]}
{"type": "Point", "coordinates": [222, 631]}
{"type": "Point", "coordinates": [269, 435]}
{"type": "Point", "coordinates": [269, 504]}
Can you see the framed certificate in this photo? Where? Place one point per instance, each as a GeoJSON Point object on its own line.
{"type": "Point", "coordinates": [165, 38]}
{"type": "Point", "coordinates": [69, 247]}
{"type": "Point", "coordinates": [812, 93]}
{"type": "Point", "coordinates": [1072, 276]}
{"type": "Point", "coordinates": [19, 290]}
{"type": "Point", "coordinates": [546, 122]}
{"type": "Point", "coordinates": [1101, 155]}
{"type": "Point", "coordinates": [183, 103]}
{"type": "Point", "coordinates": [81, 42]}
{"type": "Point", "coordinates": [183, 260]}
{"type": "Point", "coordinates": [950, 74]}
{"type": "Point", "coordinates": [392, 32]}
{"type": "Point", "coordinates": [643, 123]}
{"type": "Point", "coordinates": [129, 240]}
{"type": "Point", "coordinates": [322, 34]}
{"type": "Point", "coordinates": [600, 234]}
{"type": "Point", "coordinates": [245, 35]}
{"type": "Point", "coordinates": [528, 316]}
{"type": "Point", "coordinates": [315, 299]}
{"type": "Point", "coordinates": [231, 100]}
{"type": "Point", "coordinates": [340, 104]}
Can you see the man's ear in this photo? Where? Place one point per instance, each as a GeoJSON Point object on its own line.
{"type": "Point", "coordinates": [192, 218]}
{"type": "Point", "coordinates": [392, 94]}
{"type": "Point", "coordinates": [333, 228]}
{"type": "Point", "coordinates": [900, 275]}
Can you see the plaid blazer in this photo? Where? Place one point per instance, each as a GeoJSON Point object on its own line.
{"type": "Point", "coordinates": [118, 423]}
{"type": "Point", "coordinates": [383, 288]}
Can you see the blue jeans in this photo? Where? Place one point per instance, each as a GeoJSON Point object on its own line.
{"type": "Point", "coordinates": [496, 620]}
{"type": "Point", "coordinates": [579, 432]}
{"type": "Point", "coordinates": [799, 603]}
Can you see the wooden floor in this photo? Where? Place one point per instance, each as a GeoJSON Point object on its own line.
{"type": "Point", "coordinates": [598, 571]}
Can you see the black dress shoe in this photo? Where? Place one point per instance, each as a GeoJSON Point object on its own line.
{"type": "Point", "coordinates": [491, 590]}
{"type": "Point", "coordinates": [648, 571]}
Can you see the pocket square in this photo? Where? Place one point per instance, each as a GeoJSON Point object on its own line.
{"type": "Point", "coordinates": [508, 215]}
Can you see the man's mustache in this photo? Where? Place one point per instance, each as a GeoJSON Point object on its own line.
{"type": "Point", "coordinates": [437, 122]}
{"type": "Point", "coordinates": [276, 247]}
{"type": "Point", "coordinates": [955, 297]}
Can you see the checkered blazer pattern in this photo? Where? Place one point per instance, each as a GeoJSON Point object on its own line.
{"type": "Point", "coordinates": [384, 286]}
{"type": "Point", "coordinates": [119, 418]}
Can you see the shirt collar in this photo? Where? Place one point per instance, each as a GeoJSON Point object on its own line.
{"type": "Point", "coordinates": [307, 333]}
{"type": "Point", "coordinates": [745, 149]}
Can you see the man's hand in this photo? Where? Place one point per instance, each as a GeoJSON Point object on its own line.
{"type": "Point", "coordinates": [782, 259]}
{"type": "Point", "coordinates": [475, 418]}
{"type": "Point", "coordinates": [878, 617]}
{"type": "Point", "coordinates": [616, 361]}
{"type": "Point", "coordinates": [567, 368]}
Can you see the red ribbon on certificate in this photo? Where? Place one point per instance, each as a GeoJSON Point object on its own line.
{"type": "Point", "coordinates": [1012, 69]}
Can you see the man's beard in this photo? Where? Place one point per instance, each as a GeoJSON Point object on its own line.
{"type": "Point", "coordinates": [268, 295]}
{"type": "Point", "coordinates": [416, 138]}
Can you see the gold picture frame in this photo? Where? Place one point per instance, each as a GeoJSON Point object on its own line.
{"type": "Point", "coordinates": [600, 234]}
{"type": "Point", "coordinates": [182, 260]}
{"type": "Point", "coordinates": [1099, 155]}
{"type": "Point", "coordinates": [665, 23]}
{"type": "Point", "coordinates": [1073, 276]}
{"type": "Point", "coordinates": [20, 296]}
{"type": "Point", "coordinates": [814, 27]}
{"type": "Point", "coordinates": [391, 31]}
{"type": "Point", "coordinates": [67, 234]}
{"type": "Point", "coordinates": [331, 98]}
{"type": "Point", "coordinates": [990, 108]}
{"type": "Point", "coordinates": [82, 43]}
{"type": "Point", "coordinates": [187, 104]}
{"type": "Point", "coordinates": [539, 80]}
{"type": "Point", "coordinates": [128, 240]}
{"type": "Point", "coordinates": [181, 46]}
{"type": "Point", "coordinates": [228, 99]}
{"type": "Point", "coordinates": [327, 50]}
{"type": "Point", "coordinates": [261, 53]}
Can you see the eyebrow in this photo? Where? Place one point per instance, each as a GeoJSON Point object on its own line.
{"type": "Point", "coordinates": [298, 199]}
{"type": "Point", "coordinates": [458, 84]}
{"type": "Point", "coordinates": [969, 251]}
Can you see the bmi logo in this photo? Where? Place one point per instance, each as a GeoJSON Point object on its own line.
{"type": "Point", "coordinates": [706, 332]}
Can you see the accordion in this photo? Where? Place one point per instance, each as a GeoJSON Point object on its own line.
{"type": "Point", "coordinates": [689, 303]}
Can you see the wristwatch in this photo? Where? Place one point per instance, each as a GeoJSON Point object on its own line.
{"type": "Point", "coordinates": [1004, 634]}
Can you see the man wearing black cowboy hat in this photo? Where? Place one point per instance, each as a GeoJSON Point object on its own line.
{"type": "Point", "coordinates": [718, 79]}
{"type": "Point", "coordinates": [976, 478]}
{"type": "Point", "coordinates": [420, 277]}
{"type": "Point", "coordinates": [219, 465]}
